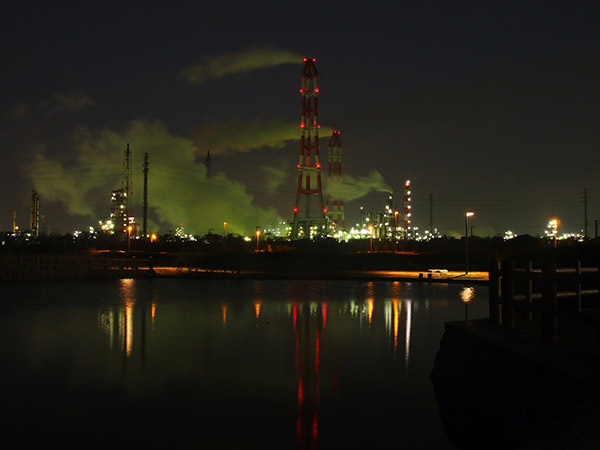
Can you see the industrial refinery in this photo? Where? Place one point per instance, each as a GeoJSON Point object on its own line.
{"type": "Point", "coordinates": [318, 209]}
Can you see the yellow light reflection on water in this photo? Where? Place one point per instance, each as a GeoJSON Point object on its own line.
{"type": "Point", "coordinates": [396, 312]}
{"type": "Point", "coordinates": [126, 319]}
{"type": "Point", "coordinates": [467, 294]}
{"type": "Point", "coordinates": [408, 330]}
{"type": "Point", "coordinates": [153, 313]}
{"type": "Point", "coordinates": [224, 311]}
{"type": "Point", "coordinates": [370, 305]}
{"type": "Point", "coordinates": [257, 304]}
{"type": "Point", "coordinates": [128, 327]}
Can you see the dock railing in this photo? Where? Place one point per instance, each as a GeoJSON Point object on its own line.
{"type": "Point", "coordinates": [536, 299]}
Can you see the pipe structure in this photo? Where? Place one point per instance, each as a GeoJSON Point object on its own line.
{"type": "Point", "coordinates": [335, 204]}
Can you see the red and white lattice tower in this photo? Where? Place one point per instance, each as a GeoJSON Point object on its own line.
{"type": "Point", "coordinates": [335, 204]}
{"type": "Point", "coordinates": [309, 167]}
{"type": "Point", "coordinates": [407, 208]}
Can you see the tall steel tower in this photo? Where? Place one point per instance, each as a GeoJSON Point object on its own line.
{"type": "Point", "coordinates": [34, 219]}
{"type": "Point", "coordinates": [335, 205]}
{"type": "Point", "coordinates": [309, 167]}
{"type": "Point", "coordinates": [126, 183]}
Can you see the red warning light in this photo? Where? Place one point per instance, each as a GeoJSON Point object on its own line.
{"type": "Point", "coordinates": [318, 165]}
{"type": "Point", "coordinates": [314, 59]}
{"type": "Point", "coordinates": [296, 208]}
{"type": "Point", "coordinates": [324, 210]}
{"type": "Point", "coordinates": [317, 90]}
{"type": "Point", "coordinates": [298, 165]}
{"type": "Point", "coordinates": [302, 125]}
{"type": "Point", "coordinates": [301, 90]}
{"type": "Point", "coordinates": [305, 59]}
{"type": "Point", "coordinates": [318, 126]}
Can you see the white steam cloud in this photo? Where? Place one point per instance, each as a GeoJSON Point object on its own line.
{"type": "Point", "coordinates": [61, 102]}
{"type": "Point", "coordinates": [353, 188]}
{"type": "Point", "coordinates": [178, 189]}
{"type": "Point", "coordinates": [247, 135]}
{"type": "Point", "coordinates": [234, 63]}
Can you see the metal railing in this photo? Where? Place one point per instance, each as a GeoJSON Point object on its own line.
{"type": "Point", "coordinates": [550, 293]}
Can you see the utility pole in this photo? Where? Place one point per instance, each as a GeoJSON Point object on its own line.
{"type": "Point", "coordinates": [146, 167]}
{"type": "Point", "coordinates": [430, 214]}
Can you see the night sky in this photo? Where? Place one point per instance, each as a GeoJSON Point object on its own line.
{"type": "Point", "coordinates": [488, 106]}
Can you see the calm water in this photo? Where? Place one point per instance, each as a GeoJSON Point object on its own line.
{"type": "Point", "coordinates": [225, 364]}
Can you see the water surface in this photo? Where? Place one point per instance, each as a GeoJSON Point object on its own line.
{"type": "Point", "coordinates": [222, 364]}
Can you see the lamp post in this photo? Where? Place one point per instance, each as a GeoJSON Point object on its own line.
{"type": "Point", "coordinates": [257, 237]}
{"type": "Point", "coordinates": [224, 235]}
{"type": "Point", "coordinates": [467, 215]}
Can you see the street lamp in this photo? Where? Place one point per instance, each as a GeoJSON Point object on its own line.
{"type": "Point", "coordinates": [257, 236]}
{"type": "Point", "coordinates": [467, 215]}
{"type": "Point", "coordinates": [224, 235]}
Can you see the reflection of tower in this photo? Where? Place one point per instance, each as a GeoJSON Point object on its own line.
{"type": "Point", "coordinates": [34, 221]}
{"type": "Point", "coordinates": [308, 366]}
{"type": "Point", "coordinates": [309, 167]}
{"type": "Point", "coordinates": [407, 208]}
{"type": "Point", "coordinates": [335, 206]}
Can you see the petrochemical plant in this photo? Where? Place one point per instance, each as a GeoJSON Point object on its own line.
{"type": "Point", "coordinates": [313, 216]}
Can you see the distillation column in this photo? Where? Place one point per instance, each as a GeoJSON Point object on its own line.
{"type": "Point", "coordinates": [309, 167]}
{"type": "Point", "coordinates": [407, 208]}
{"type": "Point", "coordinates": [335, 205]}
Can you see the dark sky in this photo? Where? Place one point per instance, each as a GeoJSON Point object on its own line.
{"type": "Point", "coordinates": [490, 106]}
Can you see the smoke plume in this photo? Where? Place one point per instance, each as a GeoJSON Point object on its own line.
{"type": "Point", "coordinates": [61, 102]}
{"type": "Point", "coordinates": [233, 63]}
{"type": "Point", "coordinates": [178, 189]}
{"type": "Point", "coordinates": [246, 135]}
{"type": "Point", "coordinates": [353, 188]}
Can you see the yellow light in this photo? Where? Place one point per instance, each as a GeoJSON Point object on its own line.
{"type": "Point", "coordinates": [469, 213]}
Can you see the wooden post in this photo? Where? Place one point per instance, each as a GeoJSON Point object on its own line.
{"type": "Point", "coordinates": [578, 281]}
{"type": "Point", "coordinates": [529, 288]}
{"type": "Point", "coordinates": [508, 295]}
{"type": "Point", "coordinates": [494, 291]}
{"type": "Point", "coordinates": [549, 303]}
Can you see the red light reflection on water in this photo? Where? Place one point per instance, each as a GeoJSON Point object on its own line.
{"type": "Point", "coordinates": [306, 328]}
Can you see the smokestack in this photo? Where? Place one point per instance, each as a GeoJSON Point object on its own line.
{"type": "Point", "coordinates": [146, 166]}
{"type": "Point", "coordinates": [207, 162]}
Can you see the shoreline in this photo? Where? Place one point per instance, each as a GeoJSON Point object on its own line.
{"type": "Point", "coordinates": [476, 277]}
